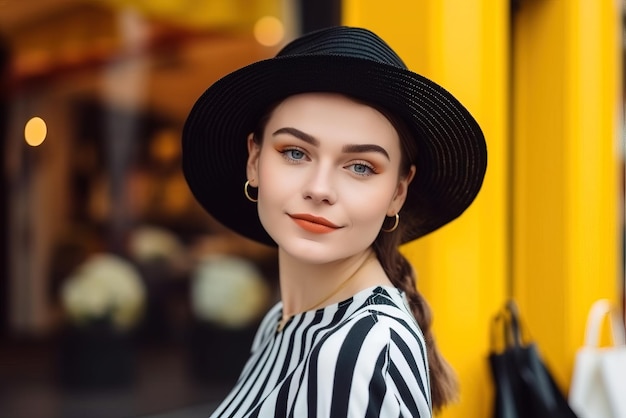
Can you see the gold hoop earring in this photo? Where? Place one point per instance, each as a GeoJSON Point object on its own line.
{"type": "Point", "coordinates": [395, 225]}
{"type": "Point", "coordinates": [245, 191]}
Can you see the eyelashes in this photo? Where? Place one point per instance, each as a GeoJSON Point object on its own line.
{"type": "Point", "coordinates": [296, 155]}
{"type": "Point", "coordinates": [293, 154]}
{"type": "Point", "coordinates": [362, 168]}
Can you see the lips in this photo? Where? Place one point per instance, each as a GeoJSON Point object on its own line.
{"type": "Point", "coordinates": [314, 224]}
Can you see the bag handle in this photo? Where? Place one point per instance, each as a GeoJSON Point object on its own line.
{"type": "Point", "coordinates": [600, 309]}
{"type": "Point", "coordinates": [516, 327]}
{"type": "Point", "coordinates": [506, 328]}
{"type": "Point", "coordinates": [500, 337]}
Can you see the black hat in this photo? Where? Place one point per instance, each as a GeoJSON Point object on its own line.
{"type": "Point", "coordinates": [452, 155]}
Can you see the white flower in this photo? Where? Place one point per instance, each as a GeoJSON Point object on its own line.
{"type": "Point", "coordinates": [148, 243]}
{"type": "Point", "coordinates": [104, 287]}
{"type": "Point", "coordinates": [228, 291]}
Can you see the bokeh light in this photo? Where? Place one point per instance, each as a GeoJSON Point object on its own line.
{"type": "Point", "coordinates": [35, 131]}
{"type": "Point", "coordinates": [269, 31]}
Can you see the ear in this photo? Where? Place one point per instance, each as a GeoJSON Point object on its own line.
{"type": "Point", "coordinates": [252, 167]}
{"type": "Point", "coordinates": [401, 192]}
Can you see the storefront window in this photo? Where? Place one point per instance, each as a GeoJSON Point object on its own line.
{"type": "Point", "coordinates": [105, 279]}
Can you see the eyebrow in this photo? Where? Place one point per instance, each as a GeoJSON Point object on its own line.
{"type": "Point", "coordinates": [298, 134]}
{"type": "Point", "coordinates": [350, 148]}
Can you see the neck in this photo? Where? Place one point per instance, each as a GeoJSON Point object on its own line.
{"type": "Point", "coordinates": [305, 287]}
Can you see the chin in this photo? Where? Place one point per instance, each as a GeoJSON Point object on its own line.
{"type": "Point", "coordinates": [318, 252]}
{"type": "Point", "coordinates": [308, 251]}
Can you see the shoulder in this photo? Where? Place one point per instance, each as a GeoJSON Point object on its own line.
{"type": "Point", "coordinates": [268, 325]}
{"type": "Point", "coordinates": [380, 323]}
{"type": "Point", "coordinates": [388, 312]}
{"type": "Point", "coordinates": [376, 352]}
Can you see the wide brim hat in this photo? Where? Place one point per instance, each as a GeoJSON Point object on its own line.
{"type": "Point", "coordinates": [451, 150]}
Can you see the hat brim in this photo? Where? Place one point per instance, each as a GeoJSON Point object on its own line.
{"type": "Point", "coordinates": [452, 155]}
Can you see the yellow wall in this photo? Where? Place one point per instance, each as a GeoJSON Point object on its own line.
{"type": "Point", "coordinates": [461, 268]}
{"type": "Point", "coordinates": [545, 226]}
{"type": "Point", "coordinates": [566, 236]}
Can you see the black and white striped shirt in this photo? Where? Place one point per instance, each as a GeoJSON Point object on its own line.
{"type": "Point", "coordinates": [363, 357]}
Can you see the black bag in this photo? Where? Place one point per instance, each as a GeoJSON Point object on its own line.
{"type": "Point", "coordinates": [524, 387]}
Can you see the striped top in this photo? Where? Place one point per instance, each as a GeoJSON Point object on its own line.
{"type": "Point", "coordinates": [363, 357]}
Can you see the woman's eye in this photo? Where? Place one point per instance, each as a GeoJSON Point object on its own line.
{"type": "Point", "coordinates": [362, 169]}
{"type": "Point", "coordinates": [294, 154]}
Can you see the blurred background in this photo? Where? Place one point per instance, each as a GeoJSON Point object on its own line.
{"type": "Point", "coordinates": [120, 297]}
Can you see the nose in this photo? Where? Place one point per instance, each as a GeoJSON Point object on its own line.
{"type": "Point", "coordinates": [319, 186]}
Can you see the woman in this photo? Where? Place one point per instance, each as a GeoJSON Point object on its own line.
{"type": "Point", "coordinates": [343, 154]}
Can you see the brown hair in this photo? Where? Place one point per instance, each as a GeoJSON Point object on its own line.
{"type": "Point", "coordinates": [443, 382]}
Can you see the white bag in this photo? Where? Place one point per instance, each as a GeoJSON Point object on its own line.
{"type": "Point", "coordinates": [598, 388]}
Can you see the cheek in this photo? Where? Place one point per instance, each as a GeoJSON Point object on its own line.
{"type": "Point", "coordinates": [271, 179]}
{"type": "Point", "coordinates": [268, 205]}
{"type": "Point", "coordinates": [366, 220]}
{"type": "Point", "coordinates": [368, 216]}
{"type": "Point", "coordinates": [274, 187]}
{"type": "Point", "coordinates": [369, 201]}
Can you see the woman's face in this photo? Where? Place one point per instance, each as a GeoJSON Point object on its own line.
{"type": "Point", "coordinates": [327, 174]}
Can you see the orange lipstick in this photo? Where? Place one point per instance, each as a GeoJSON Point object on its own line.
{"type": "Point", "coordinates": [314, 224]}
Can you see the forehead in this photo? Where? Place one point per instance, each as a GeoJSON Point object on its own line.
{"type": "Point", "coordinates": [331, 116]}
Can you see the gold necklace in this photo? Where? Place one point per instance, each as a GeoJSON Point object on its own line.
{"type": "Point", "coordinates": [286, 318]}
